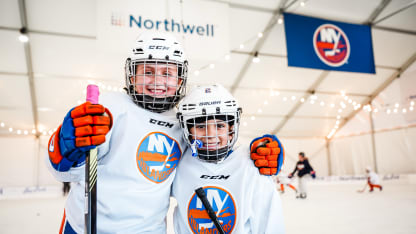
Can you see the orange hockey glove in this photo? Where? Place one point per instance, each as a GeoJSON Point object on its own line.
{"type": "Point", "coordinates": [268, 154]}
{"type": "Point", "coordinates": [84, 127]}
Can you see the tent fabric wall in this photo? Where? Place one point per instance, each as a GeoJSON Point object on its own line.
{"type": "Point", "coordinates": [396, 151]}
{"type": "Point", "coordinates": [22, 162]}
{"type": "Point", "coordinates": [350, 155]}
{"type": "Point", "coordinates": [18, 162]}
{"type": "Point", "coordinates": [314, 149]}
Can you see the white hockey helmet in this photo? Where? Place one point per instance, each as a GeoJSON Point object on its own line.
{"type": "Point", "coordinates": [152, 51]}
{"type": "Point", "coordinates": [204, 103]}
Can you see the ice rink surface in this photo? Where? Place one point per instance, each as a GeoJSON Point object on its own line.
{"type": "Point", "coordinates": [330, 208]}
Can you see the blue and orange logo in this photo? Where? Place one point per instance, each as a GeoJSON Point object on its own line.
{"type": "Point", "coordinates": [157, 156]}
{"type": "Point", "coordinates": [331, 45]}
{"type": "Point", "coordinates": [223, 205]}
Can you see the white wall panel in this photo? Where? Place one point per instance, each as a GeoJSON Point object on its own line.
{"type": "Point", "coordinates": [18, 161]}
{"type": "Point", "coordinates": [396, 151]}
{"type": "Point", "coordinates": [351, 155]}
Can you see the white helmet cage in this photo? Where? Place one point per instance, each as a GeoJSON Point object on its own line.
{"type": "Point", "coordinates": [163, 68]}
{"type": "Point", "coordinates": [206, 103]}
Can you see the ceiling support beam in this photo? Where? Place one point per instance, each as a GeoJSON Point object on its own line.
{"type": "Point", "coordinates": [259, 44]}
{"type": "Point", "coordinates": [29, 66]}
{"type": "Point", "coordinates": [376, 92]}
{"type": "Point", "coordinates": [377, 11]}
{"type": "Point", "coordinates": [310, 91]}
{"type": "Point", "coordinates": [395, 30]}
{"type": "Point", "coordinates": [395, 12]}
{"type": "Point", "coordinates": [373, 142]}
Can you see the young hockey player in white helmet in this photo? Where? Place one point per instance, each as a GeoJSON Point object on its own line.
{"type": "Point", "coordinates": [139, 143]}
{"type": "Point", "coordinates": [138, 156]}
{"type": "Point", "coordinates": [242, 200]}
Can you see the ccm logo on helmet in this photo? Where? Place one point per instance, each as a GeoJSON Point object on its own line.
{"type": "Point", "coordinates": [209, 103]}
{"type": "Point", "coordinates": [155, 47]}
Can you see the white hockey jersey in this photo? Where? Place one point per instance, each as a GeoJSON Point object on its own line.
{"type": "Point", "coordinates": [136, 168]}
{"type": "Point", "coordinates": [244, 200]}
{"type": "Point", "coordinates": [373, 177]}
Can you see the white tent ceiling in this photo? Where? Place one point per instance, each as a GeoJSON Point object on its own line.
{"type": "Point", "coordinates": [41, 80]}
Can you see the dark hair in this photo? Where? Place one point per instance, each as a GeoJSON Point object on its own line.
{"type": "Point", "coordinates": [302, 154]}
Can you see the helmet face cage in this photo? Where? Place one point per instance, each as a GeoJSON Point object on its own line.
{"type": "Point", "coordinates": [218, 134]}
{"type": "Point", "coordinates": [166, 79]}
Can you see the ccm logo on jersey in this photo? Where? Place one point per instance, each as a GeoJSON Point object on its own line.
{"type": "Point", "coordinates": [218, 177]}
{"type": "Point", "coordinates": [209, 103]}
{"type": "Point", "coordinates": [161, 123]}
{"type": "Point", "coordinates": [331, 45]}
{"type": "Point", "coordinates": [156, 47]}
{"type": "Point", "coordinates": [157, 156]}
{"type": "Point", "coordinates": [223, 205]}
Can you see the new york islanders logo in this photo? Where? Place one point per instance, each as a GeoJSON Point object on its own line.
{"type": "Point", "coordinates": [331, 45]}
{"type": "Point", "coordinates": [157, 156]}
{"type": "Point", "coordinates": [222, 203]}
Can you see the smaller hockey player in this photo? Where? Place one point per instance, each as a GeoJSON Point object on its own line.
{"type": "Point", "coordinates": [283, 180]}
{"type": "Point", "coordinates": [242, 200]}
{"type": "Point", "coordinates": [373, 181]}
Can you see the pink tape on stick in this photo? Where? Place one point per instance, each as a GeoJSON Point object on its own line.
{"type": "Point", "coordinates": [92, 94]}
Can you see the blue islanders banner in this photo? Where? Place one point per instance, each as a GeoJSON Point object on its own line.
{"type": "Point", "coordinates": [329, 45]}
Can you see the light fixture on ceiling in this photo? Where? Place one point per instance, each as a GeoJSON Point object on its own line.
{"type": "Point", "coordinates": [280, 20]}
{"type": "Point", "coordinates": [23, 35]}
{"type": "Point", "coordinates": [256, 58]}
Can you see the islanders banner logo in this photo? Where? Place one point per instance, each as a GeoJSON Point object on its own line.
{"type": "Point", "coordinates": [328, 45]}
{"type": "Point", "coordinates": [331, 45]}
{"type": "Point", "coordinates": [223, 205]}
{"type": "Point", "coordinates": [157, 156]}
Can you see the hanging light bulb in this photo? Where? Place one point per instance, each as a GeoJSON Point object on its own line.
{"type": "Point", "coordinates": [280, 20]}
{"type": "Point", "coordinates": [23, 35]}
{"type": "Point", "coordinates": [256, 58]}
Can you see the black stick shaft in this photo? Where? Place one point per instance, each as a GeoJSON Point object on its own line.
{"type": "Point", "coordinates": [91, 192]}
{"type": "Point", "coordinates": [211, 213]}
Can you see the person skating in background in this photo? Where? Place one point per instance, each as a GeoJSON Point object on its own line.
{"type": "Point", "coordinates": [304, 171]}
{"type": "Point", "coordinates": [283, 180]}
{"type": "Point", "coordinates": [373, 181]}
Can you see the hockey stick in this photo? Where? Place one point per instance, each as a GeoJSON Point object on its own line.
{"type": "Point", "coordinates": [91, 176]}
{"type": "Point", "coordinates": [362, 190]}
{"type": "Point", "coordinates": [211, 213]}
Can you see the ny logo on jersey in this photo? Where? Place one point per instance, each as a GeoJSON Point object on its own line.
{"type": "Point", "coordinates": [157, 156]}
{"type": "Point", "coordinates": [223, 205]}
{"type": "Point", "coordinates": [331, 45]}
